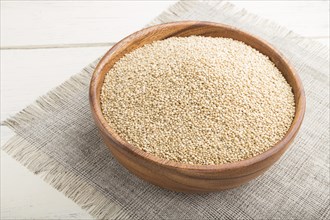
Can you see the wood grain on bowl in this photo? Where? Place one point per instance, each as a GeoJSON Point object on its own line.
{"type": "Point", "coordinates": [184, 177]}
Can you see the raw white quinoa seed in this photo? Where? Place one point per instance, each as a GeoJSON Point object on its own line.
{"type": "Point", "coordinates": [198, 100]}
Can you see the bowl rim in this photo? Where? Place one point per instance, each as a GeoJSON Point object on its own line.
{"type": "Point", "coordinates": [124, 145]}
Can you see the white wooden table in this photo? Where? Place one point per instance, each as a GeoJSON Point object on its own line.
{"type": "Point", "coordinates": [43, 43]}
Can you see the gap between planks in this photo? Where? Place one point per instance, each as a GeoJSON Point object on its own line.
{"type": "Point", "coordinates": [55, 46]}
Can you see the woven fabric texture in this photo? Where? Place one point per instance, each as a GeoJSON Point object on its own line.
{"type": "Point", "coordinates": [56, 138]}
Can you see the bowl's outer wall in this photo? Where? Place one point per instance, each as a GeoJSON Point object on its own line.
{"type": "Point", "coordinates": [188, 178]}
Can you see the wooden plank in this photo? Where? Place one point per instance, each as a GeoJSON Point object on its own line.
{"type": "Point", "coordinates": [87, 22]}
{"type": "Point", "coordinates": [74, 22]}
{"type": "Point", "coordinates": [307, 18]}
{"type": "Point", "coordinates": [26, 196]}
{"type": "Point", "coordinates": [26, 74]}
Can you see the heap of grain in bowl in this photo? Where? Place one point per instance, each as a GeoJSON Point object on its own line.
{"type": "Point", "coordinates": [198, 100]}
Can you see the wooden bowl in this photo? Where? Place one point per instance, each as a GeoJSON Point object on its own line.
{"type": "Point", "coordinates": [179, 176]}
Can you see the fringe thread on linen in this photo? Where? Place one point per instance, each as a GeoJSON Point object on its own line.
{"type": "Point", "coordinates": [51, 100]}
{"type": "Point", "coordinates": [58, 176]}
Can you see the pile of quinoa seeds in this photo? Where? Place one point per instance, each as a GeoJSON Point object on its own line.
{"type": "Point", "coordinates": [198, 100]}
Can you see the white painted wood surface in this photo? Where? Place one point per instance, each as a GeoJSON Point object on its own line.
{"type": "Point", "coordinates": [72, 34]}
